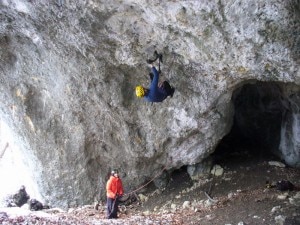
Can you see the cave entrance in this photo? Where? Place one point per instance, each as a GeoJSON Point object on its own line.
{"type": "Point", "coordinates": [258, 113]}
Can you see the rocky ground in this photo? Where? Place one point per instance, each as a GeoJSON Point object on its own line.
{"type": "Point", "coordinates": [238, 197]}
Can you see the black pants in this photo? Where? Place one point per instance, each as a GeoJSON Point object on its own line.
{"type": "Point", "coordinates": [112, 208]}
{"type": "Point", "coordinates": [165, 85]}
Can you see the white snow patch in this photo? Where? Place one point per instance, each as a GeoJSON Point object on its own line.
{"type": "Point", "coordinates": [18, 5]}
{"type": "Point", "coordinates": [13, 169]}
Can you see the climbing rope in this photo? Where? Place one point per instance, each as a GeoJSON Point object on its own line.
{"type": "Point", "coordinates": [141, 187]}
{"type": "Point", "coordinates": [4, 149]}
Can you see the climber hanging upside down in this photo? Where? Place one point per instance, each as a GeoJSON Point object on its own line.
{"type": "Point", "coordinates": [158, 91]}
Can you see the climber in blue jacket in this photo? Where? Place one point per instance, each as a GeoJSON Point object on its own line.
{"type": "Point", "coordinates": [158, 91]}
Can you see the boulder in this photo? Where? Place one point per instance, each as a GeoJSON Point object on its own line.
{"type": "Point", "coordinates": [200, 170]}
{"type": "Point", "coordinates": [19, 199]}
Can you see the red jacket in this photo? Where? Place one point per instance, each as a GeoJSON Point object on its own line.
{"type": "Point", "coordinates": [114, 186]}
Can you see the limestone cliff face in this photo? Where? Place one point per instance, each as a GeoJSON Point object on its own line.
{"type": "Point", "coordinates": [69, 68]}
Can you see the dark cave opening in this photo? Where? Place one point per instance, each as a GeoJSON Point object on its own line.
{"type": "Point", "coordinates": [258, 112]}
{"type": "Point", "coordinates": [261, 110]}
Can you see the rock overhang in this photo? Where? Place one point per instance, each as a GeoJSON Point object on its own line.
{"type": "Point", "coordinates": [77, 118]}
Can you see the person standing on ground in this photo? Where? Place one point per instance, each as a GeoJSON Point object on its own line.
{"type": "Point", "coordinates": [114, 190]}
